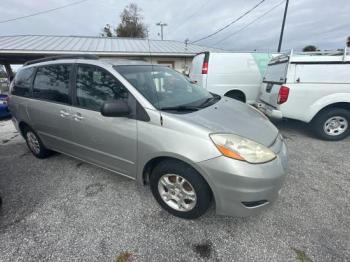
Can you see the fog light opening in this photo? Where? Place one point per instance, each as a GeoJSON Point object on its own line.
{"type": "Point", "coordinates": [254, 204]}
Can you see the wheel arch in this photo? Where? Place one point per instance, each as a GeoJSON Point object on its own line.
{"type": "Point", "coordinates": [22, 127]}
{"type": "Point", "coordinates": [236, 94]}
{"type": "Point", "coordinates": [342, 105]}
{"type": "Point", "coordinates": [151, 163]}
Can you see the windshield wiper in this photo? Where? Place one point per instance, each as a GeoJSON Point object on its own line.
{"type": "Point", "coordinates": [208, 100]}
{"type": "Point", "coordinates": [180, 108]}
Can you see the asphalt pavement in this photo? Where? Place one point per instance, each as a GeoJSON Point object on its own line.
{"type": "Point", "coordinates": [62, 209]}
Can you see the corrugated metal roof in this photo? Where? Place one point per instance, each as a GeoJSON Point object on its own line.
{"type": "Point", "coordinates": [46, 44]}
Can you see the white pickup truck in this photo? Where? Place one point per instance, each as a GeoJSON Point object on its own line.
{"type": "Point", "coordinates": [311, 87]}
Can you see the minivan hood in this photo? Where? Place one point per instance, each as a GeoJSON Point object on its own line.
{"type": "Point", "coordinates": [231, 116]}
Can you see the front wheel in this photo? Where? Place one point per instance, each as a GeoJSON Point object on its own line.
{"type": "Point", "coordinates": [180, 189]}
{"type": "Point", "coordinates": [332, 124]}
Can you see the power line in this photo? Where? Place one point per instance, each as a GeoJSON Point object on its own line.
{"type": "Point", "coordinates": [226, 26]}
{"type": "Point", "coordinates": [252, 22]}
{"type": "Point", "coordinates": [42, 12]}
{"type": "Point", "coordinates": [199, 9]}
{"type": "Point", "coordinates": [196, 11]}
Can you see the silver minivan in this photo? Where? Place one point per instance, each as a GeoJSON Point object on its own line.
{"type": "Point", "coordinates": [151, 124]}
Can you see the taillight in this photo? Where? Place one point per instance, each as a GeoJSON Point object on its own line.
{"type": "Point", "coordinates": [205, 68]}
{"type": "Point", "coordinates": [283, 95]}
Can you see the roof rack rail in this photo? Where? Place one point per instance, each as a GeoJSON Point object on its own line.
{"type": "Point", "coordinates": [337, 52]}
{"type": "Point", "coordinates": [52, 58]}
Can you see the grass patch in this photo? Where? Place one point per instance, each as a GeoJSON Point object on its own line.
{"type": "Point", "coordinates": [124, 257]}
{"type": "Point", "coordinates": [301, 256]}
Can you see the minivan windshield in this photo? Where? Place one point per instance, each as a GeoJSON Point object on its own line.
{"type": "Point", "coordinates": [166, 89]}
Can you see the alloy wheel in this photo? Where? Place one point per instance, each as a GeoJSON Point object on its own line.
{"type": "Point", "coordinates": [33, 142]}
{"type": "Point", "coordinates": [177, 192]}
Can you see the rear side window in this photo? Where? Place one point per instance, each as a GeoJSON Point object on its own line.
{"type": "Point", "coordinates": [52, 83]}
{"type": "Point", "coordinates": [95, 86]}
{"type": "Point", "coordinates": [23, 82]}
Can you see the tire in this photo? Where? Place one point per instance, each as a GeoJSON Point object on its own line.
{"type": "Point", "coordinates": [190, 187]}
{"type": "Point", "coordinates": [332, 124]}
{"type": "Point", "coordinates": [35, 144]}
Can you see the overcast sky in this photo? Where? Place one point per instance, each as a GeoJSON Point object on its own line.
{"type": "Point", "coordinates": [323, 23]}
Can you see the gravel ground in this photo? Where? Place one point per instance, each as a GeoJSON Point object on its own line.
{"type": "Point", "coordinates": [61, 209]}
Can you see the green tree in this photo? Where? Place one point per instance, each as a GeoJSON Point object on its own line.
{"type": "Point", "coordinates": [131, 24]}
{"type": "Point", "coordinates": [310, 48]}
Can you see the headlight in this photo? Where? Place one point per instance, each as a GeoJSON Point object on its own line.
{"type": "Point", "coordinates": [241, 148]}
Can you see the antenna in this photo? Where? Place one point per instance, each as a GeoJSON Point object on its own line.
{"type": "Point", "coordinates": [186, 43]}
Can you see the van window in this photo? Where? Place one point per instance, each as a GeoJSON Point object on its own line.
{"type": "Point", "coordinates": [23, 82]}
{"type": "Point", "coordinates": [52, 83]}
{"type": "Point", "coordinates": [94, 86]}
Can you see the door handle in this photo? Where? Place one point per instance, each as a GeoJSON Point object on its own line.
{"type": "Point", "coordinates": [78, 117]}
{"type": "Point", "coordinates": [64, 113]}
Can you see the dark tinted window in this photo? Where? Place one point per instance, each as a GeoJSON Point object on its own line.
{"type": "Point", "coordinates": [52, 83]}
{"type": "Point", "coordinates": [23, 81]}
{"type": "Point", "coordinates": [95, 86]}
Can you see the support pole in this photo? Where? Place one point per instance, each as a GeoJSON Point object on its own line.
{"type": "Point", "coordinates": [9, 71]}
{"type": "Point", "coordinates": [282, 28]}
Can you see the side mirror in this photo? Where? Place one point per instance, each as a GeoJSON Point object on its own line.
{"type": "Point", "coordinates": [115, 108]}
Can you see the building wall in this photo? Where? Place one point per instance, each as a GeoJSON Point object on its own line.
{"type": "Point", "coordinates": [180, 64]}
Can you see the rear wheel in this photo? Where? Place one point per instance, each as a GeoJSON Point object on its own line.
{"type": "Point", "coordinates": [180, 189]}
{"type": "Point", "coordinates": [332, 124]}
{"type": "Point", "coordinates": [35, 145]}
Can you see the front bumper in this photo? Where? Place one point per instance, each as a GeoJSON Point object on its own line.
{"type": "Point", "coordinates": [268, 110]}
{"type": "Point", "coordinates": [242, 189]}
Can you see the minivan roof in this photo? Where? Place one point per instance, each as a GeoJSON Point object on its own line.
{"type": "Point", "coordinates": [93, 60]}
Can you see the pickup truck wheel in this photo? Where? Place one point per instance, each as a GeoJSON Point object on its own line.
{"type": "Point", "coordinates": [332, 124]}
{"type": "Point", "coordinates": [180, 189]}
{"type": "Point", "coordinates": [35, 145]}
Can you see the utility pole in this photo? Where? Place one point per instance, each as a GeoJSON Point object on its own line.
{"type": "Point", "coordinates": [161, 28]}
{"type": "Point", "coordinates": [282, 28]}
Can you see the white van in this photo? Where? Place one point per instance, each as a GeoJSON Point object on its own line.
{"type": "Point", "coordinates": [312, 87]}
{"type": "Point", "coordinates": [236, 75]}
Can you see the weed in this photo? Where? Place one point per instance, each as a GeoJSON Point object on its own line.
{"type": "Point", "coordinates": [301, 256]}
{"type": "Point", "coordinates": [124, 257]}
